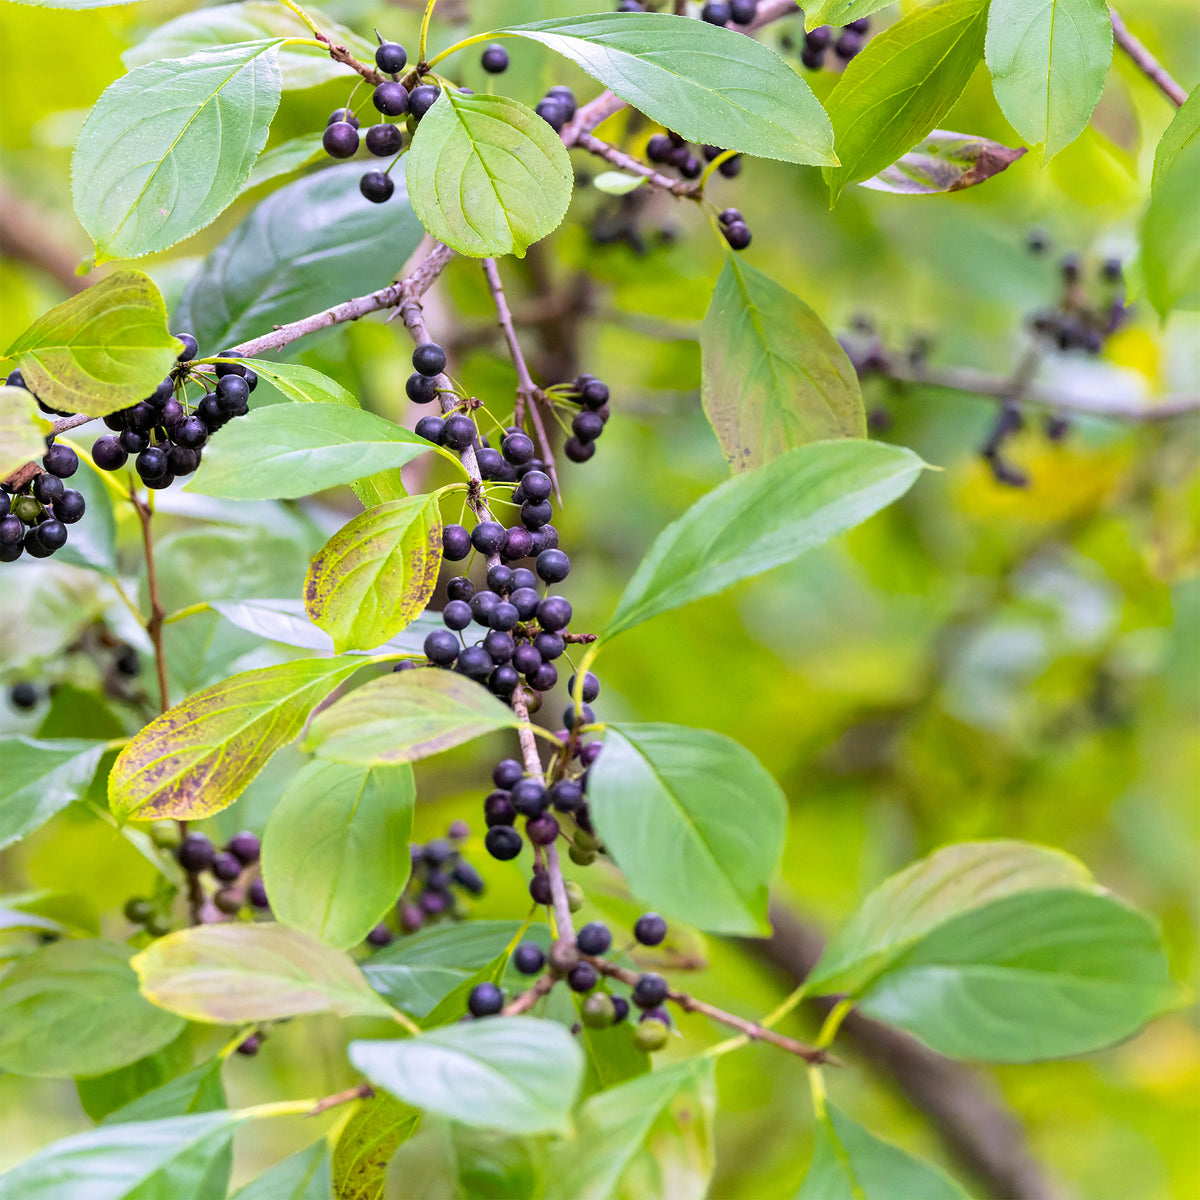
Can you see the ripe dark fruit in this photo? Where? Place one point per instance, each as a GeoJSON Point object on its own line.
{"type": "Point", "coordinates": [384, 140]}
{"type": "Point", "coordinates": [456, 615]}
{"type": "Point", "coordinates": [529, 797]}
{"type": "Point", "coordinates": [256, 893]}
{"type": "Point", "coordinates": [742, 12]}
{"type": "Point", "coordinates": [517, 448]}
{"type": "Point", "coordinates": [577, 451]}
{"type": "Point", "coordinates": [494, 60]}
{"type": "Point", "coordinates": [459, 432]}
{"type": "Point", "coordinates": [503, 681]}
{"type": "Point", "coordinates": [226, 867]}
{"type": "Point", "coordinates": [69, 507]}
{"type": "Point", "coordinates": [582, 977]}
{"type": "Point", "coordinates": [566, 795]}
{"type": "Point", "coordinates": [61, 460]}
{"type": "Point", "coordinates": [133, 440]}
{"type": "Point", "coordinates": [431, 428]}
{"type": "Point", "coordinates": [381, 935]}
{"type": "Point", "coordinates": [456, 542]}
{"type": "Point", "coordinates": [542, 830]}
{"type": "Point", "coordinates": [650, 929]}
{"type": "Point", "coordinates": [340, 140]}
{"type": "Point", "coordinates": [482, 606]}
{"type": "Point", "coordinates": [620, 1009]}
{"type": "Point", "coordinates": [503, 842]}
{"type": "Point", "coordinates": [190, 347]}
{"type": "Point", "coordinates": [498, 810]}
{"type": "Point", "coordinates": [474, 662]}
{"type": "Point", "coordinates": [250, 1046]}
{"type": "Point", "coordinates": [552, 112]}
{"type": "Point", "coordinates": [487, 537]}
{"type": "Point", "coordinates": [390, 58]}
{"type": "Point", "coordinates": [650, 991]}
{"type": "Point", "coordinates": [376, 186]}
{"type": "Point", "coordinates": [587, 426]}
{"type": "Point", "coordinates": [536, 485]}
{"type": "Point", "coordinates": [108, 454]}
{"type": "Point", "coordinates": [518, 544]}
{"type": "Point", "coordinates": [191, 434]}
{"type": "Point", "coordinates": [441, 647]}
{"type": "Point", "coordinates": [47, 488]}
{"type": "Point", "coordinates": [391, 98]}
{"type": "Point", "coordinates": [338, 114]}
{"type": "Point", "coordinates": [554, 613]}
{"type": "Point", "coordinates": [421, 389]}
{"type": "Point", "coordinates": [553, 566]}
{"type": "Point", "coordinates": [151, 463]}
{"type": "Point", "coordinates": [507, 772]}
{"type": "Point", "coordinates": [195, 853]}
{"type": "Point", "coordinates": [539, 889]}
{"type": "Point", "coordinates": [422, 99]}
{"type": "Point", "coordinates": [716, 12]}
{"type": "Point", "coordinates": [594, 938]}
{"type": "Point", "coordinates": [429, 359]}
{"type": "Point", "coordinates": [485, 1000]}
{"type": "Point", "coordinates": [528, 958]}
{"type": "Point", "coordinates": [181, 461]}
{"type": "Point", "coordinates": [245, 846]}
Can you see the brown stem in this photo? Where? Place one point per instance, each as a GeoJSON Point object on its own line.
{"type": "Point", "coordinates": [1146, 62]}
{"type": "Point", "coordinates": [364, 1091]}
{"type": "Point", "coordinates": [341, 55]}
{"type": "Point", "coordinates": [25, 238]}
{"type": "Point", "coordinates": [752, 1030]}
{"type": "Point", "coordinates": [526, 1000]}
{"type": "Point", "coordinates": [610, 153]}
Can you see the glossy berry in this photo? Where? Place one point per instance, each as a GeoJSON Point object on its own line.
{"type": "Point", "coordinates": [566, 795]}
{"type": "Point", "coordinates": [488, 537]}
{"type": "Point", "coordinates": [554, 613]}
{"type": "Point", "coordinates": [518, 544]}
{"type": "Point", "coordinates": [226, 867]}
{"type": "Point", "coordinates": [737, 235]}
{"type": "Point", "coordinates": [108, 454]}
{"type": "Point", "coordinates": [256, 893]}
{"type": "Point", "coordinates": [742, 12]}
{"type": "Point", "coordinates": [468, 878]}
{"type": "Point", "coordinates": [245, 846]}
{"type": "Point", "coordinates": [376, 187]}
{"type": "Point", "coordinates": [491, 464]}
{"type": "Point", "coordinates": [195, 853]}
{"type": "Point", "coordinates": [456, 615]}
{"type": "Point", "coordinates": [594, 938]}
{"type": "Point", "coordinates": [485, 1000]}
{"type": "Point", "coordinates": [474, 662]}
{"type": "Point", "coordinates": [553, 566]}
{"type": "Point", "coordinates": [381, 935]}
{"type": "Point", "coordinates": [459, 432]}
{"type": "Point", "coordinates": [553, 112]}
{"type": "Point", "coordinates": [577, 451]}
{"type": "Point", "coordinates": [504, 617]}
{"type": "Point", "coordinates": [422, 99]}
{"type": "Point", "coordinates": [549, 645]}
{"type": "Point", "coordinates": [430, 428]}
{"type": "Point", "coordinates": [429, 359]}
{"type": "Point", "coordinates": [528, 958]}
{"type": "Point", "coordinates": [503, 681]}
{"type": "Point", "coordinates": [456, 542]}
{"type": "Point", "coordinates": [498, 810]}
{"type": "Point", "coordinates": [529, 797]}
{"type": "Point", "coordinates": [591, 687]}
{"type": "Point", "coordinates": [134, 440]}
{"type": "Point", "coordinates": [535, 514]}
{"type": "Point", "coordinates": [338, 114]}
{"type": "Point", "coordinates": [483, 604]}
{"type": "Point", "coordinates": [650, 929]}
{"type": "Point", "coordinates": [620, 1009]}
{"type": "Point", "coordinates": [441, 647]}
{"type": "Point", "coordinates": [536, 485]}
{"type": "Point", "coordinates": [69, 507]}
{"type": "Point", "coordinates": [499, 579]}
{"type": "Point", "coordinates": [517, 448]}
{"type": "Point", "coordinates": [47, 488]}
{"type": "Point", "coordinates": [181, 461]}
{"type": "Point", "coordinates": [391, 98]}
{"type": "Point", "coordinates": [716, 12]}
{"type": "Point", "coordinates": [582, 977]}
{"type": "Point", "coordinates": [494, 60]}
{"type": "Point", "coordinates": [190, 347]}
{"type": "Point", "coordinates": [587, 426]}
{"type": "Point", "coordinates": [544, 678]}
{"type": "Point", "coordinates": [651, 1035]}
{"type": "Point", "coordinates": [61, 461]}
{"type": "Point", "coordinates": [539, 889]}
{"type": "Point", "coordinates": [507, 772]}
{"type": "Point", "coordinates": [503, 842]}
{"type": "Point", "coordinates": [384, 140]}
{"type": "Point", "coordinates": [191, 433]}
{"type": "Point", "coordinates": [650, 990]}
{"type": "Point", "coordinates": [390, 58]}
{"type": "Point", "coordinates": [340, 140]}
{"type": "Point", "coordinates": [526, 659]}
{"type": "Point", "coordinates": [542, 830]}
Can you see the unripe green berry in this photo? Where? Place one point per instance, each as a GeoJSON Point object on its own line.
{"type": "Point", "coordinates": [599, 1011]}
{"type": "Point", "coordinates": [574, 896]}
{"type": "Point", "coordinates": [584, 858]}
{"type": "Point", "coordinates": [158, 927]}
{"type": "Point", "coordinates": [650, 1036]}
{"type": "Point", "coordinates": [138, 910]}
{"type": "Point", "coordinates": [165, 834]}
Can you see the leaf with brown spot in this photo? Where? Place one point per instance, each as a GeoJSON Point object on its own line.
{"type": "Point", "coordinates": [944, 162]}
{"type": "Point", "coordinates": [377, 573]}
{"type": "Point", "coordinates": [374, 1132]}
{"type": "Point", "coordinates": [401, 718]}
{"type": "Point", "coordinates": [197, 758]}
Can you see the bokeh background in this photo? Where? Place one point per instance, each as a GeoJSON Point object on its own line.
{"type": "Point", "coordinates": [977, 661]}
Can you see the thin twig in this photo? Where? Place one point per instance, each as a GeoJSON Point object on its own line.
{"type": "Point", "coordinates": [527, 391]}
{"type": "Point", "coordinates": [364, 1091]}
{"type": "Point", "coordinates": [752, 1030]}
{"type": "Point", "coordinates": [618, 158]}
{"type": "Point", "coordinates": [1146, 62]}
{"type": "Point", "coordinates": [526, 1000]}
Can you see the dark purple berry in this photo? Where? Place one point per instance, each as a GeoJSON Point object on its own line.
{"type": "Point", "coordinates": [456, 615]}
{"type": "Point", "coordinates": [340, 140]}
{"type": "Point", "coordinates": [738, 235]}
{"type": "Point", "coordinates": [539, 889]}
{"type": "Point", "coordinates": [553, 566]}
{"type": "Point", "coordinates": [245, 846]}
{"type": "Point", "coordinates": [650, 929]}
{"type": "Point", "coordinates": [554, 613]}
{"type": "Point", "coordinates": [517, 448]}
{"type": "Point", "coordinates": [391, 98]}
{"type": "Point", "coordinates": [529, 797]}
{"type": "Point", "coordinates": [483, 604]}
{"type": "Point", "coordinates": [503, 681]}
{"type": "Point", "coordinates": [423, 99]}
{"type": "Point", "coordinates": [488, 538]}
{"type": "Point", "coordinates": [195, 853]}
{"type": "Point", "coordinates": [376, 187]}
{"type": "Point", "coordinates": [191, 434]}
{"type": "Point", "coordinates": [594, 939]}
{"type": "Point", "coordinates": [456, 543]}
{"type": "Point", "coordinates": [529, 958]}
{"type": "Point", "coordinates": [151, 463]}
{"type": "Point", "coordinates": [61, 461]}
{"type": "Point", "coordinates": [338, 114]}
{"type": "Point", "coordinates": [591, 687]}
{"type": "Point", "coordinates": [650, 990]}
{"type": "Point", "coordinates": [441, 647]}
{"type": "Point", "coordinates": [226, 867]}
{"type": "Point", "coordinates": [566, 795]}
{"type": "Point", "coordinates": [474, 662]}
{"type": "Point", "coordinates": [384, 140]}
{"type": "Point", "coordinates": [381, 935]}
{"type": "Point", "coordinates": [498, 809]}
{"type": "Point", "coordinates": [582, 977]}
{"type": "Point", "coordinates": [430, 428]}
{"type": "Point", "coordinates": [526, 659]}
{"type": "Point", "coordinates": [495, 60]}
{"type": "Point", "coordinates": [429, 359]}
{"type": "Point", "coordinates": [541, 831]}
{"type": "Point", "coordinates": [69, 507]}
{"type": "Point", "coordinates": [485, 1000]}
{"type": "Point", "coordinates": [190, 347]}
{"type": "Point", "coordinates": [181, 461]}
{"type": "Point", "coordinates": [391, 57]}
{"type": "Point", "coordinates": [503, 842]}
{"type": "Point", "coordinates": [47, 488]}
{"type": "Point", "coordinates": [108, 454]}
{"type": "Point", "coordinates": [577, 451]}
{"type": "Point", "coordinates": [506, 772]}
{"type": "Point", "coordinates": [459, 431]}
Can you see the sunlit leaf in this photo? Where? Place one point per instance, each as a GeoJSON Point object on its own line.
{"type": "Point", "coordinates": [944, 162]}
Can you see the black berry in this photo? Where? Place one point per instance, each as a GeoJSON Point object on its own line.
{"type": "Point", "coordinates": [376, 187]}
{"type": "Point", "coordinates": [459, 431]}
{"type": "Point", "coordinates": [594, 938]}
{"type": "Point", "coordinates": [650, 929]}
{"type": "Point", "coordinates": [441, 647]}
{"type": "Point", "coordinates": [650, 990]}
{"type": "Point", "coordinates": [61, 460]}
{"type": "Point", "coordinates": [495, 60]}
{"type": "Point", "coordinates": [195, 853]}
{"type": "Point", "coordinates": [391, 57]}
{"type": "Point", "coordinates": [422, 99]}
{"type": "Point", "coordinates": [528, 958]}
{"type": "Point", "coordinates": [340, 140]}
{"type": "Point", "coordinates": [582, 977]}
{"type": "Point", "coordinates": [391, 98]}
{"type": "Point", "coordinates": [384, 140]}
{"type": "Point", "coordinates": [429, 359]}
{"type": "Point", "coordinates": [503, 842]}
{"type": "Point", "coordinates": [69, 507]}
{"type": "Point", "coordinates": [456, 543]}
{"type": "Point", "coordinates": [507, 772]}
{"type": "Point", "coordinates": [430, 428]}
{"type": "Point", "coordinates": [485, 1000]}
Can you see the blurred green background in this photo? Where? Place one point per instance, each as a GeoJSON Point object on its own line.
{"type": "Point", "coordinates": [977, 661]}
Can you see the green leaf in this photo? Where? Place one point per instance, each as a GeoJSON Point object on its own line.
{"type": "Point", "coordinates": [417, 973]}
{"type": "Point", "coordinates": [377, 573]}
{"type": "Point", "coordinates": [305, 247]}
{"type": "Point", "coordinates": [365, 1146]}
{"type": "Point", "coordinates": [38, 779]}
{"type": "Point", "coordinates": [617, 183]}
{"type": "Point", "coordinates": [197, 757]}
{"type": "Point", "coordinates": [302, 1176]}
{"type": "Point", "coordinates": [711, 85]}
{"type": "Point", "coordinates": [694, 822]}
{"type": "Point", "coordinates": [403, 717]}
{"type": "Point", "coordinates": [169, 1158]}
{"type": "Point", "coordinates": [999, 951]}
{"type": "Point", "coordinates": [426, 1166]}
{"type": "Point", "coordinates": [1170, 231]}
{"type": "Point", "coordinates": [103, 1094]}
{"type": "Point", "coordinates": [1048, 60]}
{"type": "Point", "coordinates": [839, 12]}
{"type": "Point", "coordinates": [285, 451]}
{"type": "Point", "coordinates": [285, 159]}
{"type": "Point", "coordinates": [238, 973]}
{"type": "Point", "coordinates": [449, 1161]}
{"type": "Point", "coordinates": [255, 20]}
{"type": "Point", "coordinates": [335, 851]}
{"type": "Point", "coordinates": [72, 1008]}
{"type": "Point", "coordinates": [168, 147]}
{"type": "Point", "coordinates": [944, 162]}
{"type": "Point", "coordinates": [516, 1074]}
{"type": "Point", "coordinates": [104, 349]}
{"type": "Point", "coordinates": [199, 1090]}
{"type": "Point", "coordinates": [773, 376]}
{"type": "Point", "coordinates": [904, 82]}
{"type": "Point", "coordinates": [763, 518]}
{"type": "Point", "coordinates": [22, 430]}
{"type": "Point", "coordinates": [487, 175]}
{"type": "Point", "coordinates": [849, 1163]}
{"type": "Point", "coordinates": [655, 1127]}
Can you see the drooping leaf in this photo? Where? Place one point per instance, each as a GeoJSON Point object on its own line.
{"type": "Point", "coordinates": [849, 1163]}
{"type": "Point", "coordinates": [106, 348]}
{"type": "Point", "coordinates": [763, 518]}
{"type": "Point", "coordinates": [304, 1175]}
{"type": "Point", "coordinates": [406, 716]}
{"type": "Point", "coordinates": [335, 851]}
{"type": "Point", "coordinates": [305, 247]}
{"type": "Point", "coordinates": [417, 973]}
{"type": "Point", "coordinates": [377, 573]}
{"type": "Point", "coordinates": [773, 376]}
{"type": "Point", "coordinates": [72, 1008]}
{"type": "Point", "coordinates": [172, 1157]}
{"type": "Point", "coordinates": [22, 430]}
{"type": "Point", "coordinates": [516, 1074]}
{"type": "Point", "coordinates": [168, 146]}
{"type": "Point", "coordinates": [944, 162]}
{"type": "Point", "coordinates": [487, 175]}
{"type": "Point", "coordinates": [253, 20]}
{"type": "Point", "coordinates": [1170, 231]}
{"type": "Point", "coordinates": [711, 85]}
{"type": "Point", "coordinates": [1048, 60]}
{"type": "Point", "coordinates": [694, 822]}
{"type": "Point", "coordinates": [999, 951]}
{"type": "Point", "coordinates": [233, 974]}
{"type": "Point", "coordinates": [39, 778]}
{"type": "Point", "coordinates": [375, 1130]}
{"type": "Point", "coordinates": [904, 82]}
{"type": "Point", "coordinates": [657, 1127]}
{"type": "Point", "coordinates": [197, 757]}
{"type": "Point", "coordinates": [285, 451]}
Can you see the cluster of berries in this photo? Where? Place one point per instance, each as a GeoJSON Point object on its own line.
{"type": "Point", "coordinates": [844, 44]}
{"type": "Point", "coordinates": [556, 107]}
{"type": "Point", "coordinates": [161, 433]}
{"type": "Point", "coordinates": [715, 12]}
{"type": "Point", "coordinates": [126, 661]}
{"type": "Point", "coordinates": [670, 150]}
{"type": "Point", "coordinates": [591, 394]}
{"type": "Point", "coordinates": [34, 516]}
{"type": "Point", "coordinates": [438, 871]}
{"type": "Point", "coordinates": [1085, 316]}
{"type": "Point", "coordinates": [578, 965]}
{"type": "Point", "coordinates": [229, 867]}
{"type": "Point", "coordinates": [734, 228]}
